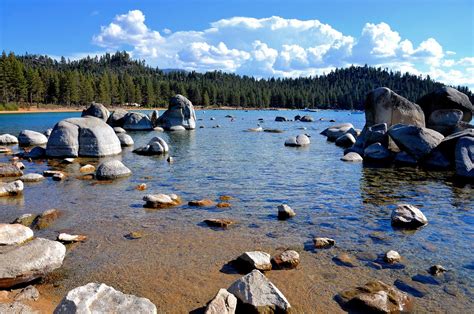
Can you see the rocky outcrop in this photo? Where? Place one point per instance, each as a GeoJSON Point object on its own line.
{"type": "Point", "coordinates": [111, 170]}
{"type": "Point", "coordinates": [223, 303]}
{"type": "Point", "coordinates": [408, 216]}
{"type": "Point", "coordinates": [96, 110]}
{"type": "Point", "coordinates": [8, 139]}
{"type": "Point", "coordinates": [136, 121]}
{"type": "Point", "coordinates": [88, 137]}
{"type": "Point", "coordinates": [446, 98]}
{"type": "Point", "coordinates": [156, 146]}
{"type": "Point", "coordinates": [180, 113]}
{"type": "Point", "coordinates": [14, 234]}
{"type": "Point", "coordinates": [298, 141]}
{"type": "Point", "coordinates": [464, 157]}
{"type": "Point", "coordinates": [416, 141]}
{"type": "Point", "coordinates": [258, 294]}
{"type": "Point", "coordinates": [31, 138]}
{"type": "Point", "coordinates": [11, 189]}
{"type": "Point", "coordinates": [100, 298]}
{"type": "Point", "coordinates": [375, 297]}
{"type": "Point", "coordinates": [34, 259]}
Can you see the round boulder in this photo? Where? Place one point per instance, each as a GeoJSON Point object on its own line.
{"type": "Point", "coordinates": [180, 112]}
{"type": "Point", "coordinates": [8, 139]}
{"type": "Point", "coordinates": [96, 110]}
{"type": "Point", "coordinates": [298, 141]}
{"type": "Point", "coordinates": [112, 169]}
{"type": "Point", "coordinates": [11, 189]}
{"type": "Point", "coordinates": [125, 139]}
{"type": "Point", "coordinates": [31, 138]}
{"type": "Point", "coordinates": [136, 121]}
{"type": "Point", "coordinates": [408, 216]}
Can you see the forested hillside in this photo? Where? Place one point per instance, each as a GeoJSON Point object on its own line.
{"type": "Point", "coordinates": [117, 79]}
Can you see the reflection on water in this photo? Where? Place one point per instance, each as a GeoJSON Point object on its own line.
{"type": "Point", "coordinates": [345, 201]}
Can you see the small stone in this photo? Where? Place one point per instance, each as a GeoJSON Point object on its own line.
{"type": "Point", "coordinates": [7, 170]}
{"type": "Point", "coordinates": [225, 198]}
{"type": "Point", "coordinates": [59, 176]}
{"type": "Point", "coordinates": [87, 169]}
{"type": "Point", "coordinates": [46, 219]}
{"type": "Point", "coordinates": [255, 260]}
{"type": "Point", "coordinates": [125, 140]}
{"type": "Point", "coordinates": [19, 165]}
{"type": "Point", "coordinates": [50, 173]}
{"type": "Point", "coordinates": [11, 234]}
{"type": "Point", "coordinates": [345, 259]}
{"type": "Point", "coordinates": [134, 235]}
{"type": "Point", "coordinates": [285, 212]}
{"type": "Point", "coordinates": [141, 187]}
{"type": "Point", "coordinates": [352, 157]}
{"type": "Point", "coordinates": [408, 216]}
{"type": "Point", "coordinates": [68, 160]}
{"type": "Point", "coordinates": [288, 259]}
{"type": "Point", "coordinates": [201, 203]}
{"type": "Point", "coordinates": [29, 293]}
{"type": "Point", "coordinates": [32, 177]}
{"type": "Point", "coordinates": [69, 238]}
{"type": "Point", "coordinates": [161, 200]}
{"type": "Point", "coordinates": [392, 257]}
{"type": "Point", "coordinates": [218, 222]}
{"type": "Point", "coordinates": [223, 303]}
{"type": "Point", "coordinates": [11, 189]}
{"type": "Point", "coordinates": [5, 150]}
{"type": "Point", "coordinates": [323, 243]}
{"type": "Point", "coordinates": [25, 220]}
{"type": "Point", "coordinates": [436, 270]}
{"type": "Point", "coordinates": [170, 159]}
{"type": "Point", "coordinates": [223, 205]}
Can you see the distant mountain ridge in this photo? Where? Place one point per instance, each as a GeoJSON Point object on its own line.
{"type": "Point", "coordinates": [114, 79]}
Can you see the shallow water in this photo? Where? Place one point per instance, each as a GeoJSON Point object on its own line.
{"type": "Point", "coordinates": [345, 201]}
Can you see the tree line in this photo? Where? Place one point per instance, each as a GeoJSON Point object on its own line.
{"type": "Point", "coordinates": [116, 79]}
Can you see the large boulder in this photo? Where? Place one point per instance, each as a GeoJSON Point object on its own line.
{"type": "Point", "coordinates": [14, 234]}
{"type": "Point", "coordinates": [31, 138]}
{"type": "Point", "coordinates": [96, 110]}
{"type": "Point", "coordinates": [445, 121]}
{"type": "Point", "coordinates": [448, 144]}
{"type": "Point", "coordinates": [416, 141]}
{"type": "Point", "coordinates": [382, 105]}
{"type": "Point", "coordinates": [377, 152]}
{"type": "Point", "coordinates": [180, 112]}
{"type": "Point", "coordinates": [112, 169]}
{"type": "Point", "coordinates": [34, 259]}
{"type": "Point", "coordinates": [136, 121]}
{"type": "Point", "coordinates": [346, 140]}
{"type": "Point", "coordinates": [8, 139]}
{"type": "Point", "coordinates": [446, 98]}
{"type": "Point", "coordinates": [116, 118]}
{"type": "Point", "coordinates": [11, 189]}
{"type": "Point", "coordinates": [298, 141]}
{"type": "Point", "coordinates": [375, 297]}
{"type": "Point", "coordinates": [464, 157]}
{"type": "Point", "coordinates": [88, 136]}
{"type": "Point", "coordinates": [100, 298]}
{"type": "Point", "coordinates": [258, 294]}
{"type": "Point", "coordinates": [156, 146]}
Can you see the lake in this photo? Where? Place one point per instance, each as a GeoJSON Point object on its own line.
{"type": "Point", "coordinates": [180, 264]}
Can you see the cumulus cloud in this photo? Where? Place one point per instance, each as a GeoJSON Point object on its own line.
{"type": "Point", "coordinates": [276, 46]}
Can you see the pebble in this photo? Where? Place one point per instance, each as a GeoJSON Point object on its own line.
{"type": "Point", "coordinates": [323, 243]}
{"type": "Point", "coordinates": [392, 257]}
{"type": "Point", "coordinates": [218, 222]}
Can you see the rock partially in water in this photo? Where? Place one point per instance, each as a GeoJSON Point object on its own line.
{"type": "Point", "coordinates": [392, 257]}
{"type": "Point", "coordinates": [273, 130]}
{"type": "Point", "coordinates": [11, 189]}
{"type": "Point", "coordinates": [257, 129]}
{"type": "Point", "coordinates": [116, 118]}
{"type": "Point", "coordinates": [375, 297]}
{"type": "Point", "coordinates": [11, 234]}
{"type": "Point", "coordinates": [96, 110]}
{"type": "Point", "coordinates": [201, 203]}
{"type": "Point", "coordinates": [119, 130]}
{"type": "Point", "coordinates": [405, 159]}
{"type": "Point", "coordinates": [416, 141]}
{"type": "Point", "coordinates": [280, 119]}
{"type": "Point", "coordinates": [464, 157]}
{"type": "Point", "coordinates": [125, 139]}
{"type": "Point", "coordinates": [36, 152]}
{"type": "Point", "coordinates": [25, 220]}
{"type": "Point", "coordinates": [323, 243]}
{"type": "Point", "coordinates": [346, 126]}
{"type": "Point", "coordinates": [346, 140]}
{"type": "Point", "coordinates": [59, 176]}
{"type": "Point", "coordinates": [352, 157]}
{"type": "Point", "coordinates": [219, 222]}
{"type": "Point", "coordinates": [5, 150]}
{"type": "Point", "coordinates": [377, 152]}
{"type": "Point", "coordinates": [223, 205]}
{"type": "Point", "coordinates": [408, 216]}
{"type": "Point", "coordinates": [436, 270]}
{"type": "Point", "coordinates": [156, 146]}
{"type": "Point", "coordinates": [285, 212]}
{"type": "Point", "coordinates": [178, 128]}
{"type": "Point", "coordinates": [51, 173]}
{"type": "Point", "coordinates": [48, 132]}
{"type": "Point", "coordinates": [9, 170]}
{"type": "Point", "coordinates": [112, 169]}
{"type": "Point", "coordinates": [87, 168]}
{"type": "Point", "coordinates": [180, 113]}
{"type": "Point", "coordinates": [34, 259]}
{"type": "Point", "coordinates": [298, 141]}
{"type": "Point", "coordinates": [88, 136]}
{"type": "Point", "coordinates": [8, 139]}
{"type": "Point", "coordinates": [70, 238]}
{"type": "Point", "coordinates": [46, 219]}
{"type": "Point", "coordinates": [288, 259]}
{"type": "Point", "coordinates": [137, 121]}
{"type": "Point", "coordinates": [259, 294]}
{"type": "Point", "coordinates": [134, 235]}
{"type": "Point", "coordinates": [255, 260]}
{"type": "Point", "coordinates": [32, 177]}
{"type": "Point", "coordinates": [31, 138]}
{"type": "Point", "coordinates": [345, 259]}
{"type": "Point", "coordinates": [141, 187]}
{"type": "Point", "coordinates": [223, 303]}
{"type": "Point", "coordinates": [437, 160]}
{"type": "Point", "coordinates": [307, 118]}
{"type": "Point", "coordinates": [375, 134]}
{"type": "Point", "coordinates": [100, 298]}
{"type": "Point", "coordinates": [161, 200]}
{"type": "Point", "coordinates": [335, 132]}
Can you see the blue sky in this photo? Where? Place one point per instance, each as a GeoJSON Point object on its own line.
{"type": "Point", "coordinates": [261, 38]}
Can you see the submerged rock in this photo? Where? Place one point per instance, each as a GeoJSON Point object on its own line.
{"type": "Point", "coordinates": [25, 220]}
{"type": "Point", "coordinates": [180, 113]}
{"type": "Point", "coordinates": [219, 222]}
{"type": "Point", "coordinates": [201, 203]}
{"type": "Point", "coordinates": [112, 169]}
{"type": "Point", "coordinates": [100, 298]}
{"type": "Point", "coordinates": [257, 293]}
{"type": "Point", "coordinates": [29, 293]}
{"type": "Point", "coordinates": [88, 136]}
{"type": "Point", "coordinates": [408, 216]}
{"type": "Point", "coordinates": [8, 139]}
{"type": "Point", "coordinates": [45, 220]}
{"type": "Point", "coordinates": [11, 189]}
{"type": "Point", "coordinates": [223, 303]}
{"type": "Point", "coordinates": [298, 141]}
{"type": "Point", "coordinates": [375, 297]}
{"type": "Point", "coordinates": [96, 110]}
{"type": "Point", "coordinates": [288, 259]}
{"type": "Point", "coordinates": [14, 234]}
{"type": "Point", "coordinates": [436, 270]}
{"type": "Point", "coordinates": [255, 260]}
{"type": "Point", "coordinates": [31, 138]}
{"type": "Point", "coordinates": [323, 243]}
{"type": "Point", "coordinates": [34, 259]}
{"type": "Point", "coordinates": [161, 200]}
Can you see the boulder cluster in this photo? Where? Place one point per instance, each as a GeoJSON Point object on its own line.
{"type": "Point", "coordinates": [435, 133]}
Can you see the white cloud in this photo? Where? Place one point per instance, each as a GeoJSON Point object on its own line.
{"type": "Point", "coordinates": [276, 46]}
